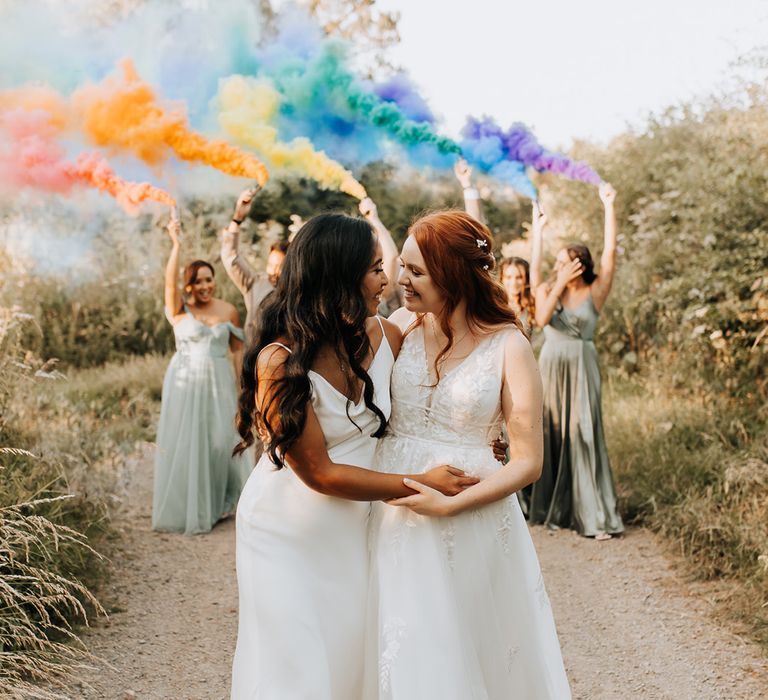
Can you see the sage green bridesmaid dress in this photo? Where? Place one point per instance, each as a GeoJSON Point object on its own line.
{"type": "Point", "coordinates": [197, 480]}
{"type": "Point", "coordinates": [576, 488]}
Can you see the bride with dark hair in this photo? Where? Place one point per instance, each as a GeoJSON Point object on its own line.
{"type": "Point", "coordinates": [315, 387]}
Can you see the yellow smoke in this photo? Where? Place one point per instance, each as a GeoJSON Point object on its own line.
{"type": "Point", "coordinates": [123, 113]}
{"type": "Point", "coordinates": [247, 110]}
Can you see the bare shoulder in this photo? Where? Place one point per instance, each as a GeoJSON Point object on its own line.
{"type": "Point", "coordinates": [394, 335]}
{"type": "Point", "coordinates": [515, 340]}
{"type": "Point", "coordinates": [401, 318]}
{"type": "Point", "coordinates": [270, 364]}
{"type": "Point", "coordinates": [227, 312]}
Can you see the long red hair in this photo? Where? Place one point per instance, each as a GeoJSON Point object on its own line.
{"type": "Point", "coordinates": [458, 253]}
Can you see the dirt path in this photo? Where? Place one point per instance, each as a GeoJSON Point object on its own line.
{"type": "Point", "coordinates": [627, 627]}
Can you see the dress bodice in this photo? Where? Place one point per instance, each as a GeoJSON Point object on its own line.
{"type": "Point", "coordinates": [194, 337]}
{"type": "Point", "coordinates": [464, 408]}
{"type": "Point", "coordinates": [578, 323]}
{"type": "Point", "coordinates": [348, 426]}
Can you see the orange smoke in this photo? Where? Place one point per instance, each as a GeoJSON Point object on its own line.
{"type": "Point", "coordinates": [123, 113]}
{"type": "Point", "coordinates": [93, 170]}
{"type": "Point", "coordinates": [35, 98]}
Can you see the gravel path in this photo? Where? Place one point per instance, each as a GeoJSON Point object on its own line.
{"type": "Point", "coordinates": [627, 625]}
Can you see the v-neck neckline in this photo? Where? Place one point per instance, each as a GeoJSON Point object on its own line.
{"type": "Point", "coordinates": [355, 404]}
{"type": "Point", "coordinates": [443, 377]}
{"type": "Point", "coordinates": [577, 306]}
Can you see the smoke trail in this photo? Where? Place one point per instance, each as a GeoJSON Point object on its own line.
{"type": "Point", "coordinates": [31, 158]}
{"type": "Point", "coordinates": [92, 169]}
{"type": "Point", "coordinates": [486, 152]}
{"type": "Point", "coordinates": [400, 90]}
{"type": "Point", "coordinates": [310, 72]}
{"type": "Point", "coordinates": [37, 97]}
{"type": "Point", "coordinates": [247, 111]}
{"type": "Point", "coordinates": [519, 144]}
{"type": "Point", "coordinates": [123, 113]}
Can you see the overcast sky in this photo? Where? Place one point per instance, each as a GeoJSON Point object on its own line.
{"type": "Point", "coordinates": [571, 69]}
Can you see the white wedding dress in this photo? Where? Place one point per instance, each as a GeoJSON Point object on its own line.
{"type": "Point", "coordinates": [458, 608]}
{"type": "Point", "coordinates": [302, 564]}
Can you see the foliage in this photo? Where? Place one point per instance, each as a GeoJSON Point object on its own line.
{"type": "Point", "coordinates": [46, 561]}
{"type": "Point", "coordinates": [692, 285]}
{"type": "Point", "coordinates": [696, 470]}
{"type": "Point", "coordinates": [684, 336]}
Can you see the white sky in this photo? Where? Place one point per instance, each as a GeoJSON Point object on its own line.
{"type": "Point", "coordinates": [570, 68]}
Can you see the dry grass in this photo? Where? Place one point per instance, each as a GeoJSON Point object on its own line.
{"type": "Point", "coordinates": [696, 470]}
{"type": "Point", "coordinates": [39, 606]}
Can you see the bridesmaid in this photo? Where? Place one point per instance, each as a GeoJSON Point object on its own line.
{"type": "Point", "coordinates": [576, 488]}
{"type": "Point", "coordinates": [197, 480]}
{"type": "Point", "coordinates": [515, 275]}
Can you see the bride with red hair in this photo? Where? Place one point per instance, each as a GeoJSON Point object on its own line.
{"type": "Point", "coordinates": [456, 583]}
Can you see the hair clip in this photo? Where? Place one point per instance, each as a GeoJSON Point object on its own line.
{"type": "Point", "coordinates": [481, 243]}
{"type": "Point", "coordinates": [485, 267]}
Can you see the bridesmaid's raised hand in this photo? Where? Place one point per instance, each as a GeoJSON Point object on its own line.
{"type": "Point", "coordinates": [174, 230]}
{"type": "Point", "coordinates": [569, 272]}
{"type": "Point", "coordinates": [243, 205]}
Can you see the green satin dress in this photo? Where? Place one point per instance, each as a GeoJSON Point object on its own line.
{"type": "Point", "coordinates": [197, 480]}
{"type": "Point", "coordinates": [576, 488]}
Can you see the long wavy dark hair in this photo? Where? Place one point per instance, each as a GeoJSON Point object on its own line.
{"type": "Point", "coordinates": [318, 301]}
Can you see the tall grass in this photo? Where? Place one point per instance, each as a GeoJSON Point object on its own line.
{"type": "Point", "coordinates": [39, 607]}
{"type": "Point", "coordinates": [54, 493]}
{"type": "Point", "coordinates": [695, 469]}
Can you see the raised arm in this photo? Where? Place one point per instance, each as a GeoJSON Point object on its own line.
{"type": "Point", "coordinates": [601, 287]}
{"type": "Point", "coordinates": [538, 220]}
{"type": "Point", "coordinates": [172, 294]}
{"type": "Point", "coordinates": [309, 458]}
{"type": "Point", "coordinates": [471, 195]}
{"type": "Point", "coordinates": [240, 272]}
{"type": "Point", "coordinates": [235, 344]}
{"type": "Point", "coordinates": [521, 402]}
{"type": "Point", "coordinates": [388, 246]}
{"type": "Point", "coordinates": [548, 298]}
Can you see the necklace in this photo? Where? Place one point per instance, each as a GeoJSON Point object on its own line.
{"type": "Point", "coordinates": [445, 358]}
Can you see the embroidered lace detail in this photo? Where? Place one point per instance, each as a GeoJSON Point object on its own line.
{"type": "Point", "coordinates": [512, 658]}
{"type": "Point", "coordinates": [394, 630]}
{"type": "Point", "coordinates": [448, 532]}
{"type": "Point", "coordinates": [505, 527]}
{"type": "Point", "coordinates": [406, 521]}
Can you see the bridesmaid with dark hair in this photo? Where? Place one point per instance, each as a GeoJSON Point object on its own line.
{"type": "Point", "coordinates": [197, 480]}
{"type": "Point", "coordinates": [576, 488]}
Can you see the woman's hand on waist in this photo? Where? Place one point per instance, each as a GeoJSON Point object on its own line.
{"type": "Point", "coordinates": [446, 479]}
{"type": "Point", "coordinates": [426, 500]}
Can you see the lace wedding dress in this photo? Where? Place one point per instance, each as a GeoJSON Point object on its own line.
{"type": "Point", "coordinates": [457, 608]}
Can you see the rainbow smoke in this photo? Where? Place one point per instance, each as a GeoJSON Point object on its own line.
{"type": "Point", "coordinates": [30, 157]}
{"type": "Point", "coordinates": [520, 145]}
{"type": "Point", "coordinates": [247, 110]}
